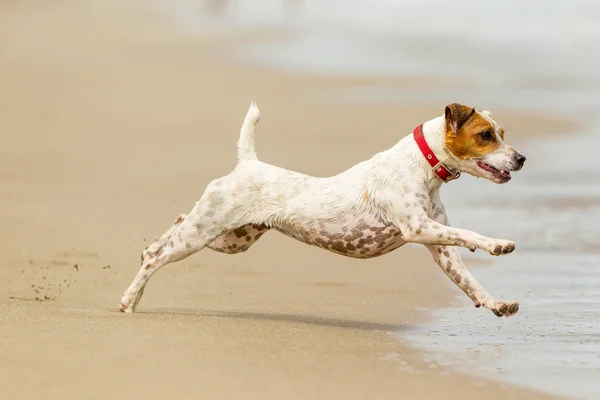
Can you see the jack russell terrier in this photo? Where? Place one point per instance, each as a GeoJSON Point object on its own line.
{"type": "Point", "coordinates": [366, 211]}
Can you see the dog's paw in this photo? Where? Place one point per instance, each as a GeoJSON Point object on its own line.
{"type": "Point", "coordinates": [127, 304]}
{"type": "Point", "coordinates": [504, 308]}
{"type": "Point", "coordinates": [499, 247]}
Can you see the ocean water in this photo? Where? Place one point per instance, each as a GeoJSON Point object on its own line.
{"type": "Point", "coordinates": [552, 211]}
{"type": "Point", "coordinates": [539, 55]}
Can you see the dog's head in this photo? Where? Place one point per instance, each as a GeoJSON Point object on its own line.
{"type": "Point", "coordinates": [477, 142]}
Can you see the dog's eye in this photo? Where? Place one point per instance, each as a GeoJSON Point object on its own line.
{"type": "Point", "coordinates": [488, 136]}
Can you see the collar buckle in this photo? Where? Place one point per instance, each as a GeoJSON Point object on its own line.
{"type": "Point", "coordinates": [438, 169]}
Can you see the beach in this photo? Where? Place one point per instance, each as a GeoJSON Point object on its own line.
{"type": "Point", "coordinates": [112, 123]}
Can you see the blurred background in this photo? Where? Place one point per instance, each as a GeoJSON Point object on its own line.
{"type": "Point", "coordinates": [114, 115]}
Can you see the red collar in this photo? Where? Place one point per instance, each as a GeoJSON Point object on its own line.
{"type": "Point", "coordinates": [437, 166]}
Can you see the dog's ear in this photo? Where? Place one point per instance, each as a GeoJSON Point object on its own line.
{"type": "Point", "coordinates": [456, 116]}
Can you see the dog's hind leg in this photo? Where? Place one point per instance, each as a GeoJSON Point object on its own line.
{"type": "Point", "coordinates": [233, 242]}
{"type": "Point", "coordinates": [239, 239]}
{"type": "Point", "coordinates": [215, 213]}
{"type": "Point", "coordinates": [167, 233]}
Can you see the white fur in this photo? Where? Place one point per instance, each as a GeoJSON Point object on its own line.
{"type": "Point", "coordinates": [380, 204]}
{"type": "Point", "coordinates": [246, 150]}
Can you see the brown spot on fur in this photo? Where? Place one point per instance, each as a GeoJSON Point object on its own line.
{"type": "Point", "coordinates": [382, 238]}
{"type": "Point", "coordinates": [360, 239]}
{"type": "Point", "coordinates": [334, 236]}
{"type": "Point", "coordinates": [188, 245]}
{"type": "Point", "coordinates": [362, 227]}
{"type": "Point", "coordinates": [339, 247]}
{"type": "Point", "coordinates": [464, 127]}
{"type": "Point", "coordinates": [321, 242]}
{"type": "Point", "coordinates": [240, 232]}
{"type": "Point", "coordinates": [446, 253]}
{"type": "Point", "coordinates": [352, 237]}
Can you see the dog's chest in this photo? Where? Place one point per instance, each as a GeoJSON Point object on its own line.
{"type": "Point", "coordinates": [349, 236]}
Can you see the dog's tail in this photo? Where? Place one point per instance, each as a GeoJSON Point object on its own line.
{"type": "Point", "coordinates": [246, 150]}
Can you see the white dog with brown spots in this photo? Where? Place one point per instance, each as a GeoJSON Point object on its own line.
{"type": "Point", "coordinates": [366, 211]}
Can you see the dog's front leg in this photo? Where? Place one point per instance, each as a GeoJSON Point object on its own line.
{"type": "Point", "coordinates": [429, 232]}
{"type": "Point", "coordinates": [417, 227]}
{"type": "Point", "coordinates": [449, 260]}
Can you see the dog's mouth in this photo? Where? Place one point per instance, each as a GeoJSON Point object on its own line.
{"type": "Point", "coordinates": [502, 176]}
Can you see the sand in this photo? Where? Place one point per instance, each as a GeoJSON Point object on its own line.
{"type": "Point", "coordinates": [111, 123]}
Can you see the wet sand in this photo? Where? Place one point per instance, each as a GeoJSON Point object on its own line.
{"type": "Point", "coordinates": [112, 123]}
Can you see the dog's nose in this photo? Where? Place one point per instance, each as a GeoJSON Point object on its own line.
{"type": "Point", "coordinates": [521, 159]}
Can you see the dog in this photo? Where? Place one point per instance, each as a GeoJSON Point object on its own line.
{"type": "Point", "coordinates": [369, 210]}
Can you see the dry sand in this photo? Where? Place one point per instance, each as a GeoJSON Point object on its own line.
{"type": "Point", "coordinates": [112, 123]}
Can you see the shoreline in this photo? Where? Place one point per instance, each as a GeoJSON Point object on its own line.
{"type": "Point", "coordinates": [537, 344]}
{"type": "Point", "coordinates": [294, 328]}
